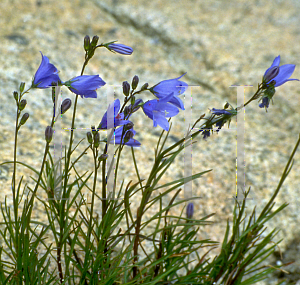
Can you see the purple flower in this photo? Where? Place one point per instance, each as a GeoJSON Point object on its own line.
{"type": "Point", "coordinates": [190, 210]}
{"type": "Point", "coordinates": [118, 118]}
{"type": "Point", "coordinates": [120, 48]}
{"type": "Point", "coordinates": [265, 102]}
{"type": "Point", "coordinates": [166, 87]}
{"type": "Point", "coordinates": [285, 71]}
{"type": "Point", "coordinates": [205, 133]}
{"type": "Point", "coordinates": [220, 124]}
{"type": "Point", "coordinates": [118, 136]}
{"type": "Point", "coordinates": [45, 75]}
{"type": "Point", "coordinates": [159, 110]}
{"type": "Point", "coordinates": [220, 112]}
{"type": "Point", "coordinates": [85, 85]}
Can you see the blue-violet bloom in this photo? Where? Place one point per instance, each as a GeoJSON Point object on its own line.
{"type": "Point", "coordinates": [118, 135]}
{"type": "Point", "coordinates": [159, 110]}
{"type": "Point", "coordinates": [85, 85]}
{"type": "Point", "coordinates": [220, 124]}
{"type": "Point", "coordinates": [166, 87]}
{"type": "Point", "coordinates": [118, 118]}
{"type": "Point", "coordinates": [205, 133]}
{"type": "Point", "coordinates": [265, 102]}
{"type": "Point", "coordinates": [220, 112]}
{"type": "Point", "coordinates": [285, 71]}
{"type": "Point", "coordinates": [120, 48]}
{"type": "Point", "coordinates": [46, 74]}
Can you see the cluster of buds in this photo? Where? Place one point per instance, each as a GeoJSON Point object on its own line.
{"type": "Point", "coordinates": [93, 137]}
{"type": "Point", "coordinates": [90, 46]}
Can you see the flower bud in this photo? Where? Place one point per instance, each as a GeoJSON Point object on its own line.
{"type": "Point", "coordinates": [119, 48]}
{"type": "Point", "coordinates": [66, 105]}
{"type": "Point", "coordinates": [126, 110]}
{"type": "Point", "coordinates": [145, 86]}
{"type": "Point", "coordinates": [24, 119]}
{"type": "Point", "coordinates": [126, 88]}
{"type": "Point", "coordinates": [16, 95]}
{"type": "Point", "coordinates": [22, 86]}
{"type": "Point", "coordinates": [132, 101]}
{"type": "Point", "coordinates": [226, 105]}
{"type": "Point", "coordinates": [94, 41]}
{"type": "Point", "coordinates": [96, 140]}
{"type": "Point", "coordinates": [103, 156]}
{"type": "Point", "coordinates": [48, 134]}
{"type": "Point", "coordinates": [272, 73]}
{"type": "Point", "coordinates": [190, 210]}
{"type": "Point", "coordinates": [93, 130]}
{"type": "Point", "coordinates": [22, 104]}
{"type": "Point", "coordinates": [89, 137]}
{"type": "Point", "coordinates": [129, 135]}
{"type": "Point", "coordinates": [135, 82]}
{"type": "Point", "coordinates": [86, 43]}
{"type": "Point", "coordinates": [129, 125]}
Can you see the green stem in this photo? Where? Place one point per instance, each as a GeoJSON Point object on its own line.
{"type": "Point", "coordinates": [104, 184]}
{"type": "Point", "coordinates": [15, 164]}
{"type": "Point", "coordinates": [95, 154]}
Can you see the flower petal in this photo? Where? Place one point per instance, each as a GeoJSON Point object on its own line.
{"type": "Point", "coordinates": [285, 72]}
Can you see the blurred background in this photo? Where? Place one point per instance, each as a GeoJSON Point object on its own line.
{"type": "Point", "coordinates": [218, 44]}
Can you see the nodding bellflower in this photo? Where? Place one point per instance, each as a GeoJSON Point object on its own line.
{"type": "Point", "coordinates": [264, 103]}
{"type": "Point", "coordinates": [120, 48]}
{"type": "Point", "coordinates": [159, 110]}
{"type": "Point", "coordinates": [46, 74]}
{"type": "Point", "coordinates": [280, 74]}
{"type": "Point", "coordinates": [118, 117]}
{"type": "Point", "coordinates": [275, 76]}
{"type": "Point", "coordinates": [164, 88]}
{"type": "Point", "coordinates": [85, 85]}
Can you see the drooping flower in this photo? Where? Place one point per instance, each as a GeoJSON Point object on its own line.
{"type": "Point", "coordinates": [279, 76]}
{"type": "Point", "coordinates": [85, 85]}
{"type": "Point", "coordinates": [206, 134]}
{"type": "Point", "coordinates": [265, 102]}
{"type": "Point", "coordinates": [174, 86]}
{"type": "Point", "coordinates": [128, 134]}
{"type": "Point", "coordinates": [118, 117]}
{"type": "Point", "coordinates": [159, 110]}
{"type": "Point", "coordinates": [220, 124]}
{"type": "Point", "coordinates": [120, 48]}
{"type": "Point", "coordinates": [46, 74]}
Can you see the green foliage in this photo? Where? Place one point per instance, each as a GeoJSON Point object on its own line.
{"type": "Point", "coordinates": [92, 259]}
{"type": "Point", "coordinates": [85, 249]}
